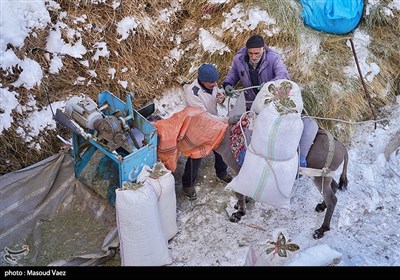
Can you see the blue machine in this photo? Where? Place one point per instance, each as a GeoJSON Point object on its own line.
{"type": "Point", "coordinates": [126, 140]}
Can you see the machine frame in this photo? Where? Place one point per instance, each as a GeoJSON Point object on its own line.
{"type": "Point", "coordinates": [129, 164]}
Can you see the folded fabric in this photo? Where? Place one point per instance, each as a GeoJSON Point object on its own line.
{"type": "Point", "coordinates": [192, 132]}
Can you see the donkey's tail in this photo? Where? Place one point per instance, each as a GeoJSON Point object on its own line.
{"type": "Point", "coordinates": [343, 177]}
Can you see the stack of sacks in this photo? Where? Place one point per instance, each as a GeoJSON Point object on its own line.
{"type": "Point", "coordinates": [146, 217]}
{"type": "Point", "coordinates": [271, 162]}
{"type": "Point", "coordinates": [163, 183]}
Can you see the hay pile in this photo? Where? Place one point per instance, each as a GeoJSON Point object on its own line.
{"type": "Point", "coordinates": [166, 45]}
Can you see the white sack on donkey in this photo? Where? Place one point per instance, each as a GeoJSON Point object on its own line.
{"type": "Point", "coordinates": [271, 162]}
{"type": "Point", "coordinates": [321, 151]}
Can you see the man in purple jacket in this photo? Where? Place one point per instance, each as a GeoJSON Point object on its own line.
{"type": "Point", "coordinates": [254, 65]}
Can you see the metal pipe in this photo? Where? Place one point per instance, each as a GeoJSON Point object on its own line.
{"type": "Point", "coordinates": [126, 128]}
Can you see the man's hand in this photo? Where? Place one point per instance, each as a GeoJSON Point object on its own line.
{"type": "Point", "coordinates": [229, 90]}
{"type": "Point", "coordinates": [220, 98]}
{"type": "Point", "coordinates": [234, 119]}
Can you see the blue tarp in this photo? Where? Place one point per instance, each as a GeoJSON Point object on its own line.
{"type": "Point", "coordinates": [332, 16]}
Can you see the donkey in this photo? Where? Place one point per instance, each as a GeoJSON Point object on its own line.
{"type": "Point", "coordinates": [316, 159]}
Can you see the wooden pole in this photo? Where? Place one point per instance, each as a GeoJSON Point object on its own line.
{"type": "Point", "coordinates": [362, 81]}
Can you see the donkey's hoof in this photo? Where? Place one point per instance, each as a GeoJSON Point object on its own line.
{"type": "Point", "coordinates": [236, 217]}
{"type": "Point", "coordinates": [236, 206]}
{"type": "Point", "coordinates": [320, 207]}
{"type": "Point", "coordinates": [319, 233]}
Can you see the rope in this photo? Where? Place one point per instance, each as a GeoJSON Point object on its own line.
{"type": "Point", "coordinates": [350, 122]}
{"type": "Point", "coordinates": [244, 89]}
{"type": "Point", "coordinates": [319, 118]}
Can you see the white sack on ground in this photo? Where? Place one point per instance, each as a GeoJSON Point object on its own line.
{"type": "Point", "coordinates": [319, 255]}
{"type": "Point", "coordinates": [272, 252]}
{"type": "Point", "coordinates": [257, 256]}
{"type": "Point", "coordinates": [266, 180]}
{"type": "Point", "coordinates": [142, 242]}
{"type": "Point", "coordinates": [163, 183]}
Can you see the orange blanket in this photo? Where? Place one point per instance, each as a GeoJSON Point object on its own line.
{"type": "Point", "coordinates": [191, 131]}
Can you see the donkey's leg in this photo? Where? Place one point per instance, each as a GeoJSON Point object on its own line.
{"type": "Point", "coordinates": [224, 149]}
{"type": "Point", "coordinates": [247, 200]}
{"type": "Point", "coordinates": [241, 207]}
{"type": "Point", "coordinates": [322, 206]}
{"type": "Point", "coordinates": [330, 201]}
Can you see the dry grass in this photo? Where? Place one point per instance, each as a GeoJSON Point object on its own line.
{"type": "Point", "coordinates": [17, 155]}
{"type": "Point", "coordinates": [145, 62]}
